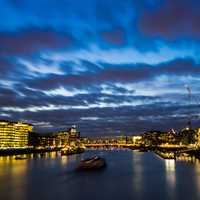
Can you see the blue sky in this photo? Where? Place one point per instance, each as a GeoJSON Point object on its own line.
{"type": "Point", "coordinates": [109, 66]}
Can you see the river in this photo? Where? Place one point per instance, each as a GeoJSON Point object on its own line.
{"type": "Point", "coordinates": [128, 175]}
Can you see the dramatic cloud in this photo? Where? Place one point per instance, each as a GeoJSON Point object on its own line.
{"type": "Point", "coordinates": [118, 73]}
{"type": "Point", "coordinates": [110, 67]}
{"type": "Point", "coordinates": [173, 19]}
{"type": "Point", "coordinates": [32, 41]}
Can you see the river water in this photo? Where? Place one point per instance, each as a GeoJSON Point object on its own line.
{"type": "Point", "coordinates": [128, 175]}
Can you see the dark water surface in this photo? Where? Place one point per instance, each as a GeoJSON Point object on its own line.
{"type": "Point", "coordinates": [129, 175]}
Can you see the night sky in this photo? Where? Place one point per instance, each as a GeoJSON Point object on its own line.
{"type": "Point", "coordinates": [111, 67]}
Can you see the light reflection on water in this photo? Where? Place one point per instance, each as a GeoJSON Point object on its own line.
{"type": "Point", "coordinates": [197, 170]}
{"type": "Point", "coordinates": [137, 171]}
{"type": "Point", "coordinates": [129, 175]}
{"type": "Point", "coordinates": [170, 170]}
{"type": "Point", "coordinates": [14, 174]}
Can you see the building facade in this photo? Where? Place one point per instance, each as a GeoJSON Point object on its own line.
{"type": "Point", "coordinates": [14, 134]}
{"type": "Point", "coordinates": [60, 139]}
{"type": "Point", "coordinates": [198, 138]}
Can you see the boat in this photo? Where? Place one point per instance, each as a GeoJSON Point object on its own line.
{"type": "Point", "coordinates": [92, 163]}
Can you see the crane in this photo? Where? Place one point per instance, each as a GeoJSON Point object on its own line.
{"type": "Point", "coordinates": [191, 98]}
{"type": "Point", "coordinates": [190, 102]}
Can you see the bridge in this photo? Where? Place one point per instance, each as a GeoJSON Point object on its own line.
{"type": "Point", "coordinates": [132, 142]}
{"type": "Point", "coordinates": [112, 145]}
{"type": "Point", "coordinates": [116, 141]}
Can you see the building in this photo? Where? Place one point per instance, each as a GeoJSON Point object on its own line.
{"type": "Point", "coordinates": [55, 140]}
{"type": "Point", "coordinates": [73, 133]}
{"type": "Point", "coordinates": [188, 136]}
{"type": "Point", "coordinates": [137, 140]}
{"type": "Point", "coordinates": [198, 138]}
{"type": "Point", "coordinates": [14, 134]}
{"type": "Point", "coordinates": [51, 140]}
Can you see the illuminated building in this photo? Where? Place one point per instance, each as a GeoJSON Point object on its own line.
{"type": "Point", "coordinates": [73, 133]}
{"type": "Point", "coordinates": [43, 140]}
{"type": "Point", "coordinates": [55, 140]}
{"type": "Point", "coordinates": [61, 139]}
{"type": "Point", "coordinates": [137, 140]}
{"type": "Point", "coordinates": [14, 134]}
{"type": "Point", "coordinates": [198, 138]}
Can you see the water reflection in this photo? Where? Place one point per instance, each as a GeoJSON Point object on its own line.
{"type": "Point", "coordinates": [170, 165]}
{"type": "Point", "coordinates": [129, 175]}
{"type": "Point", "coordinates": [197, 177]}
{"type": "Point", "coordinates": [187, 158]}
{"type": "Point", "coordinates": [13, 172]}
{"type": "Point", "coordinates": [64, 160]}
{"type": "Point", "coordinates": [138, 172]}
{"type": "Point", "coordinates": [176, 173]}
{"type": "Point", "coordinates": [170, 170]}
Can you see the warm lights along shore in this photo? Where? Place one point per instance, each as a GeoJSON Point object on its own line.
{"type": "Point", "coordinates": [19, 138]}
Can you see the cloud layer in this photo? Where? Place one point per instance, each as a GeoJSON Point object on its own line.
{"type": "Point", "coordinates": [111, 69]}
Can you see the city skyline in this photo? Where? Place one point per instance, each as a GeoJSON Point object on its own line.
{"type": "Point", "coordinates": [109, 68]}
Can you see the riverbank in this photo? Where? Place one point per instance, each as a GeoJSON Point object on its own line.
{"type": "Point", "coordinates": [71, 151]}
{"type": "Point", "coordinates": [177, 154]}
{"type": "Point", "coordinates": [165, 155]}
{"type": "Point", "coordinates": [8, 152]}
{"type": "Point", "coordinates": [68, 151]}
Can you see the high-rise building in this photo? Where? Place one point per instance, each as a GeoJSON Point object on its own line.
{"type": "Point", "coordinates": [14, 134]}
